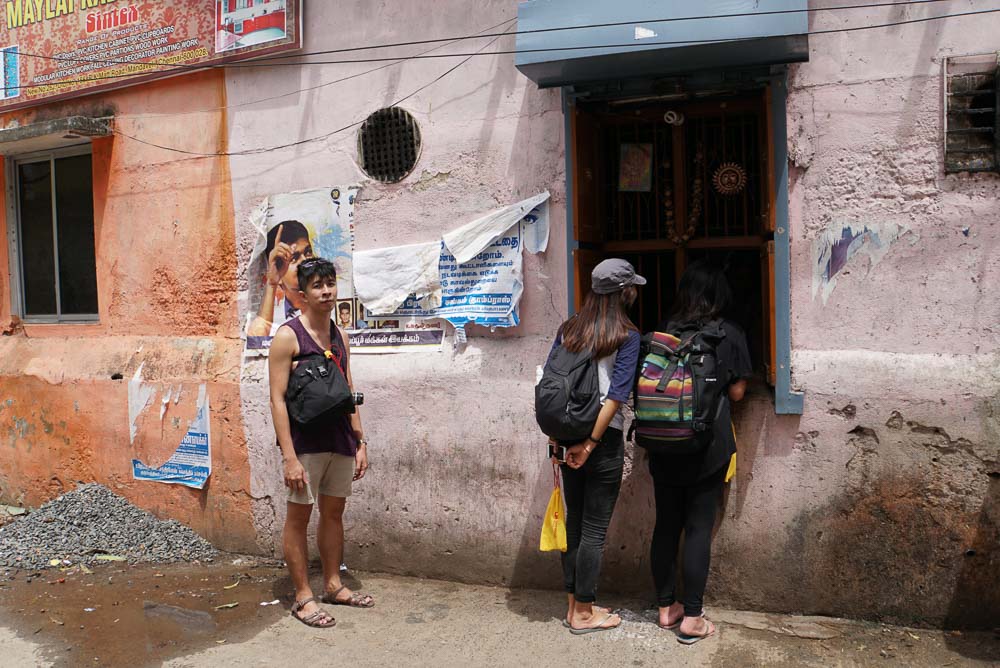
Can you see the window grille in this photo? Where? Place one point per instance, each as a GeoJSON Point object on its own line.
{"type": "Point", "coordinates": [972, 116]}
{"type": "Point", "coordinates": [388, 144]}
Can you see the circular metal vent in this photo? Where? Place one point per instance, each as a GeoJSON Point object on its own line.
{"type": "Point", "coordinates": [388, 144]}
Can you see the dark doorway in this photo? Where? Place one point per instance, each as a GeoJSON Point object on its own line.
{"type": "Point", "coordinates": [663, 184]}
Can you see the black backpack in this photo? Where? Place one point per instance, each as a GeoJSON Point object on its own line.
{"type": "Point", "coordinates": [317, 388]}
{"type": "Point", "coordinates": [568, 397]}
{"type": "Point", "coordinates": [678, 388]}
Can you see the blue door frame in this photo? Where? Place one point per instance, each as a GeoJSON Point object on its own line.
{"type": "Point", "coordinates": [786, 400]}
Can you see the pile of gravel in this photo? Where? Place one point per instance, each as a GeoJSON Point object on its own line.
{"type": "Point", "coordinates": [91, 521]}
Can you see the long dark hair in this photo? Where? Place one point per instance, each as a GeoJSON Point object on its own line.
{"type": "Point", "coordinates": [703, 294]}
{"type": "Point", "coordinates": [602, 325]}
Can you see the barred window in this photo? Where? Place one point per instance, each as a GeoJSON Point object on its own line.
{"type": "Point", "coordinates": [972, 116]}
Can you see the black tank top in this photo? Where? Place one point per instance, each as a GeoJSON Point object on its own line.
{"type": "Point", "coordinates": [332, 434]}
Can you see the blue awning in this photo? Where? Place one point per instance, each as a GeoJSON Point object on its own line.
{"type": "Point", "coordinates": [651, 41]}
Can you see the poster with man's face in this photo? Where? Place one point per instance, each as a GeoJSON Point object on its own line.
{"type": "Point", "coordinates": [293, 228]}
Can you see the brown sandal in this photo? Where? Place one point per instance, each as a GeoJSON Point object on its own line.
{"type": "Point", "coordinates": [357, 599]}
{"type": "Point", "coordinates": [317, 620]}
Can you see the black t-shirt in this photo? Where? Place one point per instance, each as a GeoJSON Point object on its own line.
{"type": "Point", "coordinates": [734, 362]}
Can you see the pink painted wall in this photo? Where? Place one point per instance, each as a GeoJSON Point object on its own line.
{"type": "Point", "coordinates": [490, 138]}
{"type": "Point", "coordinates": [866, 505]}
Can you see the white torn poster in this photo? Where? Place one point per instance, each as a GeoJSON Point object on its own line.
{"type": "Point", "coordinates": [191, 463]}
{"type": "Point", "coordinates": [479, 269]}
{"type": "Point", "coordinates": [389, 275]}
{"type": "Point", "coordinates": [469, 240]}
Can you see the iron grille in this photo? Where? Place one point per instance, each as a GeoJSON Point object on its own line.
{"type": "Point", "coordinates": [973, 118]}
{"type": "Point", "coordinates": [678, 207]}
{"type": "Point", "coordinates": [389, 143]}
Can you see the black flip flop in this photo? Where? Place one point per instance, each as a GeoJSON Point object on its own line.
{"type": "Point", "coordinates": [685, 639]}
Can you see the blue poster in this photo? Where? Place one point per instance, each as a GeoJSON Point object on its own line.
{"type": "Point", "coordinates": [191, 463]}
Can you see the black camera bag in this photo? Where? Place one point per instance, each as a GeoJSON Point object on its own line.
{"type": "Point", "coordinates": [317, 388]}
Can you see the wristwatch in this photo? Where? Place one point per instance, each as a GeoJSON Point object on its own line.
{"type": "Point", "coordinates": [363, 441]}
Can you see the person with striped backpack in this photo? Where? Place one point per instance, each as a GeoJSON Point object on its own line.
{"type": "Point", "coordinates": [689, 372]}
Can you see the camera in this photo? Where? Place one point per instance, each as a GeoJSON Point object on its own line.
{"type": "Point", "coordinates": [357, 398]}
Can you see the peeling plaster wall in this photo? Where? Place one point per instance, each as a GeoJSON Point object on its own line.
{"type": "Point", "coordinates": [880, 501]}
{"type": "Point", "coordinates": [166, 292]}
{"type": "Point", "coordinates": [885, 502]}
{"type": "Point", "coordinates": [489, 138]}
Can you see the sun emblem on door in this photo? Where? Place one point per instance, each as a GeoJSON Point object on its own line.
{"type": "Point", "coordinates": [729, 179]}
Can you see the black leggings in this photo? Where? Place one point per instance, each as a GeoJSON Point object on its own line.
{"type": "Point", "coordinates": [690, 509]}
{"type": "Point", "coordinates": [591, 493]}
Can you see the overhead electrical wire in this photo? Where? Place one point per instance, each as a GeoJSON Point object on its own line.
{"type": "Point", "coordinates": [269, 61]}
{"type": "Point", "coordinates": [646, 44]}
{"type": "Point", "coordinates": [300, 142]}
{"type": "Point", "coordinates": [303, 90]}
{"type": "Point", "coordinates": [672, 19]}
{"type": "Point", "coordinates": [469, 56]}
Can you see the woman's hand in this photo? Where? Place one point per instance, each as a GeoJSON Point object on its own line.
{"type": "Point", "coordinates": [576, 456]}
{"type": "Point", "coordinates": [295, 475]}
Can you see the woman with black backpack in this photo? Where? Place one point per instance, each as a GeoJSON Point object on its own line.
{"type": "Point", "coordinates": [688, 486]}
{"type": "Point", "coordinates": [592, 468]}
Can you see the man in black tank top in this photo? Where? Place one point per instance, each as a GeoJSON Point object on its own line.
{"type": "Point", "coordinates": [320, 460]}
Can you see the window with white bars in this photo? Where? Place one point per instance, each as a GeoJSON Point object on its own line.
{"type": "Point", "coordinates": [972, 114]}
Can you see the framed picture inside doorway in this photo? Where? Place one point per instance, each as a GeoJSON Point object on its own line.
{"type": "Point", "coordinates": [635, 169]}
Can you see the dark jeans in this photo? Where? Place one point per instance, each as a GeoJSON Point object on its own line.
{"type": "Point", "coordinates": [691, 509]}
{"type": "Point", "coordinates": [591, 492]}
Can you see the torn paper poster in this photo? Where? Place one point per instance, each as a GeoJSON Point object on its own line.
{"type": "Point", "coordinates": [479, 266]}
{"type": "Point", "coordinates": [294, 227]}
{"type": "Point", "coordinates": [402, 271]}
{"type": "Point", "coordinates": [393, 338]}
{"type": "Point", "coordinates": [191, 464]}
{"type": "Point", "coordinates": [471, 239]}
{"type": "Point", "coordinates": [139, 394]}
{"type": "Point", "coordinates": [314, 223]}
{"type": "Point", "coordinates": [839, 243]}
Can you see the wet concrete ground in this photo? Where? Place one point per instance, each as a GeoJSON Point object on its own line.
{"type": "Point", "coordinates": [182, 616]}
{"type": "Point", "coordinates": [118, 615]}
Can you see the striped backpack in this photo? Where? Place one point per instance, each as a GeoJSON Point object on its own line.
{"type": "Point", "coordinates": [678, 388]}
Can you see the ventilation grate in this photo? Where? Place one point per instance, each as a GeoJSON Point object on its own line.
{"type": "Point", "coordinates": [973, 115]}
{"type": "Point", "coordinates": [389, 143]}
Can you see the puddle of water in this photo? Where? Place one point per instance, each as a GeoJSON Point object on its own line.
{"type": "Point", "coordinates": [141, 615]}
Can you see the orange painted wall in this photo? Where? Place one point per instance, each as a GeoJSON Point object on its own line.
{"type": "Point", "coordinates": [166, 275]}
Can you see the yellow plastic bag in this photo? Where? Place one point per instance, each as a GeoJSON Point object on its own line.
{"type": "Point", "coordinates": [731, 471]}
{"type": "Point", "coordinates": [554, 523]}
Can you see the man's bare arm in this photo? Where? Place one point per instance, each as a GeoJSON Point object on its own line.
{"type": "Point", "coordinates": [279, 366]}
{"type": "Point", "coordinates": [361, 458]}
{"type": "Point", "coordinates": [356, 416]}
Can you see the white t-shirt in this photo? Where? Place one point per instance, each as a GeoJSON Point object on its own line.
{"type": "Point", "coordinates": [605, 367]}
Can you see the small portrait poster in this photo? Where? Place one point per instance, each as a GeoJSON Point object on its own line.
{"type": "Point", "coordinates": [345, 313]}
{"type": "Point", "coordinates": [635, 168]}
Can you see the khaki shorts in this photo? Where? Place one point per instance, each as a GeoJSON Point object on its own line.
{"type": "Point", "coordinates": [327, 473]}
